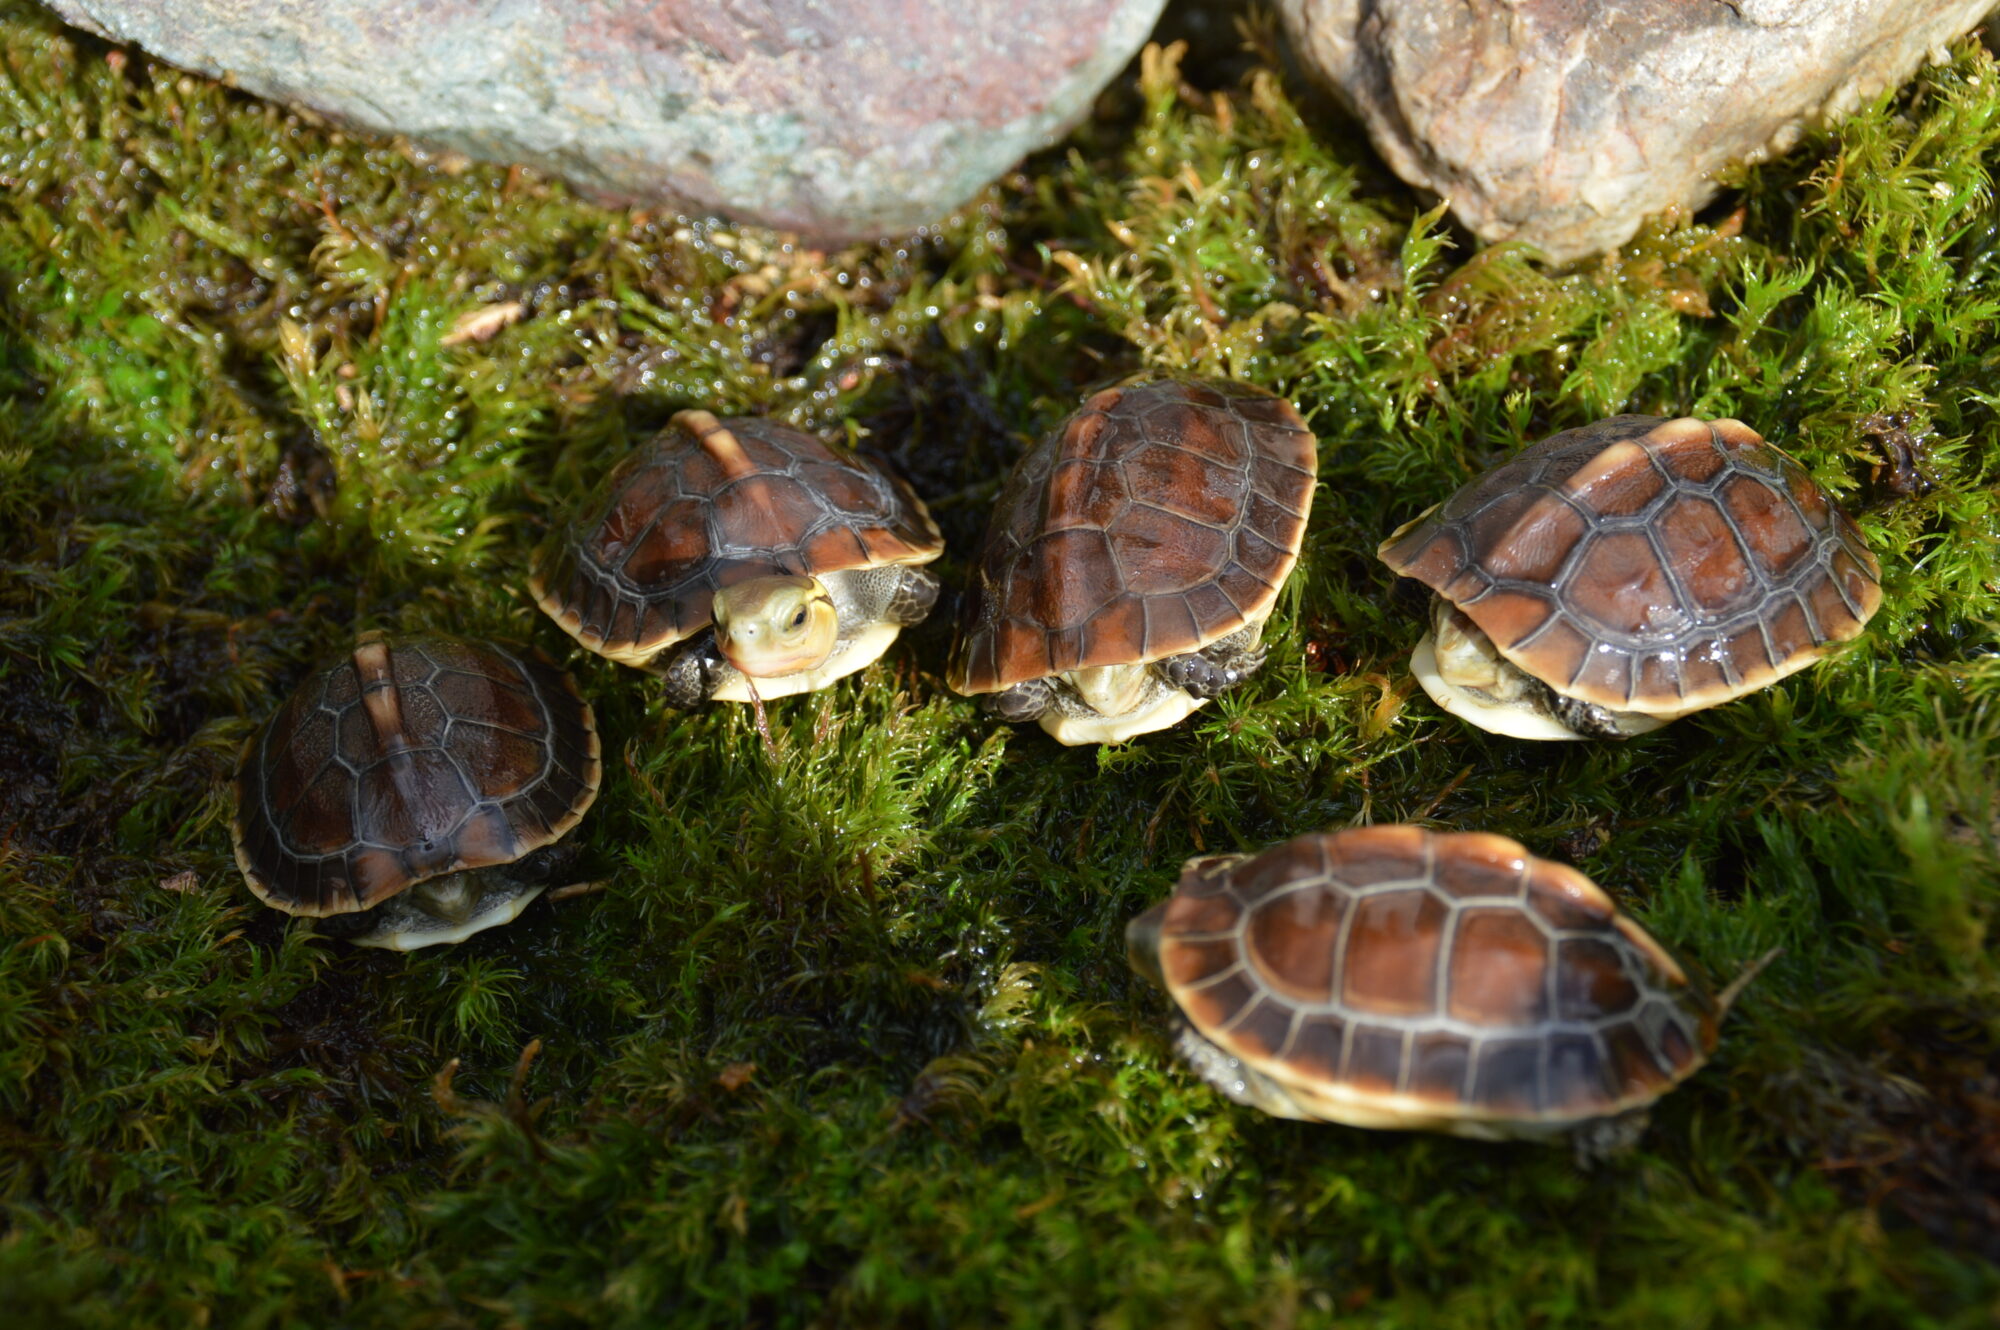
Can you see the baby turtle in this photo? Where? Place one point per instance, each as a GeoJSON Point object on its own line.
{"type": "Point", "coordinates": [1395, 977]}
{"type": "Point", "coordinates": [1615, 577]}
{"type": "Point", "coordinates": [1134, 557]}
{"type": "Point", "coordinates": [415, 790]}
{"type": "Point", "coordinates": [727, 555]}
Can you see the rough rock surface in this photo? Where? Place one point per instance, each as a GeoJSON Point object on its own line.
{"type": "Point", "coordinates": [837, 118]}
{"type": "Point", "coordinates": [1565, 122]}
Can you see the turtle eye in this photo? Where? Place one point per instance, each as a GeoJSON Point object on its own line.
{"type": "Point", "coordinates": [799, 619]}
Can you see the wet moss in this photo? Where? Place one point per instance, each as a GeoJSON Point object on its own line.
{"type": "Point", "coordinates": [849, 1036]}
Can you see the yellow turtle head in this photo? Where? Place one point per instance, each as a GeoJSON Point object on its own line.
{"type": "Point", "coordinates": [771, 626]}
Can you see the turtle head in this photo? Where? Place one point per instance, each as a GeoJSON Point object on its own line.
{"type": "Point", "coordinates": [1142, 943]}
{"type": "Point", "coordinates": [1205, 875]}
{"type": "Point", "coordinates": [771, 626]}
{"type": "Point", "coordinates": [1465, 674]}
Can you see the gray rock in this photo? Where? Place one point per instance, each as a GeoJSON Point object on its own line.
{"type": "Point", "coordinates": [1564, 123]}
{"type": "Point", "coordinates": [836, 118]}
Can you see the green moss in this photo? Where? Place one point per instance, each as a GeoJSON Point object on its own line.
{"type": "Point", "coordinates": [849, 1036]}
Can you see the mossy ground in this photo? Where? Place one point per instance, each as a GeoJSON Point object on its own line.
{"type": "Point", "coordinates": [850, 1037]}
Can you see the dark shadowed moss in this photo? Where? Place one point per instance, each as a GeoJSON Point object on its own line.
{"type": "Point", "coordinates": [849, 1036]}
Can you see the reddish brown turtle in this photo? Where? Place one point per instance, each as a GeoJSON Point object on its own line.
{"type": "Point", "coordinates": [1615, 577]}
{"type": "Point", "coordinates": [1395, 977]}
{"type": "Point", "coordinates": [731, 555]}
{"type": "Point", "coordinates": [1134, 557]}
{"type": "Point", "coordinates": [413, 791]}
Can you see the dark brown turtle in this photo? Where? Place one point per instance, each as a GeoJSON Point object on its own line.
{"type": "Point", "coordinates": [1401, 978]}
{"type": "Point", "coordinates": [1133, 558]}
{"type": "Point", "coordinates": [730, 554]}
{"type": "Point", "coordinates": [1615, 577]}
{"type": "Point", "coordinates": [415, 787]}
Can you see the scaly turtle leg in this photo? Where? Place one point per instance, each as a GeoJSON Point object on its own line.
{"type": "Point", "coordinates": [1586, 718]}
{"type": "Point", "coordinates": [1024, 701]}
{"type": "Point", "coordinates": [1219, 666]}
{"type": "Point", "coordinates": [694, 674]}
{"type": "Point", "coordinates": [916, 592]}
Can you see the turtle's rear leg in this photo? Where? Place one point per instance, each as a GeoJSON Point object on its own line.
{"type": "Point", "coordinates": [1220, 665]}
{"type": "Point", "coordinates": [1024, 701]}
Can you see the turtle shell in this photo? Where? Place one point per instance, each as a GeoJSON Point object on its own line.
{"type": "Point", "coordinates": [1648, 565]}
{"type": "Point", "coordinates": [408, 759]}
{"type": "Point", "coordinates": [1158, 518]}
{"type": "Point", "coordinates": [709, 503]}
{"type": "Point", "coordinates": [1397, 977]}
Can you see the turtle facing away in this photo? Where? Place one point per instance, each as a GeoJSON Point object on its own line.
{"type": "Point", "coordinates": [1134, 557]}
{"type": "Point", "coordinates": [1615, 577]}
{"type": "Point", "coordinates": [732, 555]}
{"type": "Point", "coordinates": [412, 792]}
{"type": "Point", "coordinates": [1395, 977]}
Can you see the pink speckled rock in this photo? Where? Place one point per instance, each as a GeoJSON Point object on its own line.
{"type": "Point", "coordinates": [1564, 123]}
{"type": "Point", "coordinates": [837, 118]}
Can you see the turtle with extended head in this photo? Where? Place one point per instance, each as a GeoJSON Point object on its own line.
{"type": "Point", "coordinates": [412, 791]}
{"type": "Point", "coordinates": [728, 556]}
{"type": "Point", "coordinates": [1395, 977]}
{"type": "Point", "coordinates": [1134, 557]}
{"type": "Point", "coordinates": [1615, 577]}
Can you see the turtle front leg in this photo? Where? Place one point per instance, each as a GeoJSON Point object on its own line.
{"type": "Point", "coordinates": [1217, 667]}
{"type": "Point", "coordinates": [1024, 701]}
{"type": "Point", "coordinates": [916, 592]}
{"type": "Point", "coordinates": [695, 673]}
{"type": "Point", "coordinates": [1586, 718]}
